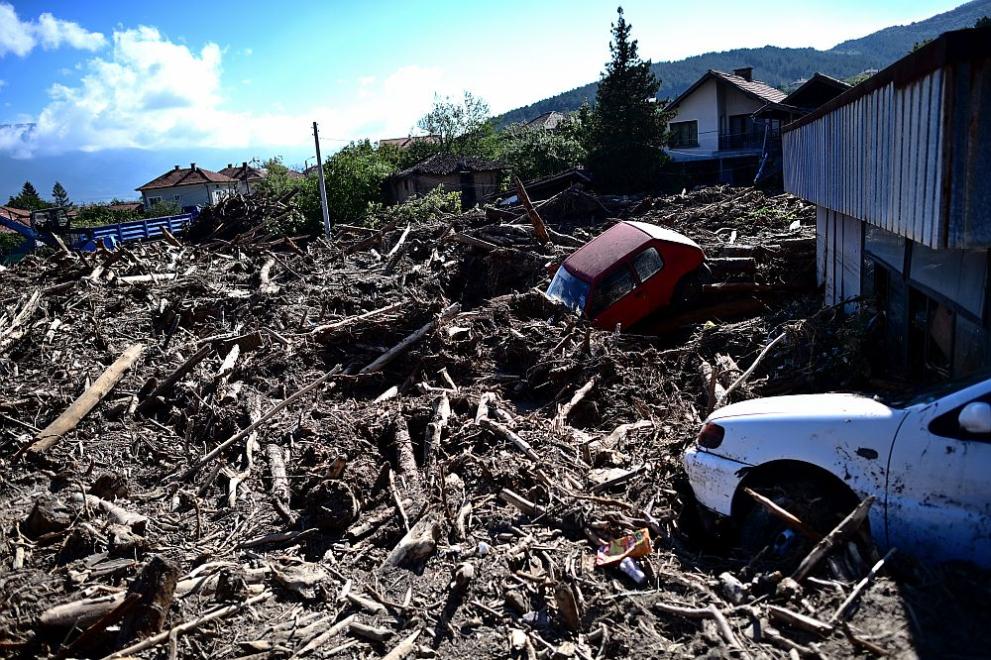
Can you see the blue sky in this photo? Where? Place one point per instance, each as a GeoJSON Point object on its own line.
{"type": "Point", "coordinates": [224, 81]}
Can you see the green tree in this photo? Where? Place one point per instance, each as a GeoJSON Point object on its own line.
{"type": "Point", "coordinates": [355, 177]}
{"type": "Point", "coordinates": [533, 153]}
{"type": "Point", "coordinates": [627, 130]}
{"type": "Point", "coordinates": [59, 195]}
{"type": "Point", "coordinates": [983, 22]}
{"type": "Point", "coordinates": [463, 128]}
{"type": "Point", "coordinates": [28, 199]}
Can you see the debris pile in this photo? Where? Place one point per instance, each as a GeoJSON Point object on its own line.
{"type": "Point", "coordinates": [390, 444]}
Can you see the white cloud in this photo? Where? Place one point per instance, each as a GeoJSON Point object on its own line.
{"type": "Point", "coordinates": [153, 93]}
{"type": "Point", "coordinates": [21, 37]}
{"type": "Point", "coordinates": [3, 83]}
{"type": "Point", "coordinates": [247, 52]}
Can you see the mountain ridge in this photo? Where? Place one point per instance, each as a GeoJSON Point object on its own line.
{"type": "Point", "coordinates": [779, 66]}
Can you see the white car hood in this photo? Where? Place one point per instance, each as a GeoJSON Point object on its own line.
{"type": "Point", "coordinates": [806, 406]}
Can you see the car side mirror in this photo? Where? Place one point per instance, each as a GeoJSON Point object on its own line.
{"type": "Point", "coordinates": [976, 417]}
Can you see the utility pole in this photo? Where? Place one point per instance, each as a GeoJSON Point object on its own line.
{"type": "Point", "coordinates": [323, 185]}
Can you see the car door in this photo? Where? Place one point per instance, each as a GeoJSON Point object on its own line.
{"type": "Point", "coordinates": [612, 302]}
{"type": "Point", "coordinates": [939, 481]}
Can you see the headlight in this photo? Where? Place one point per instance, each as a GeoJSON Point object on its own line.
{"type": "Point", "coordinates": [711, 435]}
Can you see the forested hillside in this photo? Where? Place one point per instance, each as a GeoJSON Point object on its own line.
{"type": "Point", "coordinates": [782, 67]}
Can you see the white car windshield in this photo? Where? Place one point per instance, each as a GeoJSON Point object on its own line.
{"type": "Point", "coordinates": [570, 290]}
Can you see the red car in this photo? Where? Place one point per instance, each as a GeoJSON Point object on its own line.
{"type": "Point", "coordinates": [627, 272]}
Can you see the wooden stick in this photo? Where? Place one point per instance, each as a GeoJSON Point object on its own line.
{"type": "Point", "coordinates": [265, 284]}
{"type": "Point", "coordinates": [13, 332]}
{"type": "Point", "coordinates": [503, 431]}
{"type": "Point", "coordinates": [746, 374]}
{"type": "Point", "coordinates": [561, 419]}
{"type": "Point", "coordinates": [797, 620]}
{"type": "Point", "coordinates": [379, 363]}
{"type": "Point", "coordinates": [435, 429]}
{"type": "Point", "coordinates": [861, 586]}
{"type": "Point", "coordinates": [847, 526]}
{"type": "Point", "coordinates": [166, 385]}
{"type": "Point", "coordinates": [240, 435]}
{"type": "Point", "coordinates": [782, 514]}
{"type": "Point", "coordinates": [521, 503]}
{"type": "Point", "coordinates": [336, 325]}
{"type": "Point", "coordinates": [52, 434]}
{"type": "Point", "coordinates": [403, 648]}
{"type": "Point", "coordinates": [538, 224]}
{"type": "Point", "coordinates": [143, 279]}
{"type": "Point", "coordinates": [182, 628]}
{"type": "Point", "coordinates": [322, 638]}
{"type": "Point", "coordinates": [726, 631]}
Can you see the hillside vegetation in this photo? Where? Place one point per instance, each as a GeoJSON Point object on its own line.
{"type": "Point", "coordinates": [781, 67]}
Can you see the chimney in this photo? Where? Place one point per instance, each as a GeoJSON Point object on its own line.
{"type": "Point", "coordinates": [192, 166]}
{"type": "Point", "coordinates": [230, 165]}
{"type": "Point", "coordinates": [245, 165]}
{"type": "Point", "coordinates": [176, 168]}
{"type": "Point", "coordinates": [746, 72]}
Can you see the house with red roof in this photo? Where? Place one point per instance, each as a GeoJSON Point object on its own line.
{"type": "Point", "coordinates": [188, 186]}
{"type": "Point", "coordinates": [714, 131]}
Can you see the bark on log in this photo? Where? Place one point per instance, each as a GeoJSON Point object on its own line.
{"type": "Point", "coordinates": [845, 529]}
{"type": "Point", "coordinates": [381, 361]}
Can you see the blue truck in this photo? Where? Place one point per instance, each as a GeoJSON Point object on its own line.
{"type": "Point", "coordinates": [46, 224]}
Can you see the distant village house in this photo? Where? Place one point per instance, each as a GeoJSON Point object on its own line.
{"type": "Point", "coordinates": [247, 177]}
{"type": "Point", "coordinates": [188, 187]}
{"type": "Point", "coordinates": [475, 178]}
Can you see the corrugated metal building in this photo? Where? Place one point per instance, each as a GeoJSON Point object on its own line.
{"type": "Point", "coordinates": [900, 170]}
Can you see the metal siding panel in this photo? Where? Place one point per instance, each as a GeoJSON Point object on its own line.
{"type": "Point", "coordinates": [821, 251]}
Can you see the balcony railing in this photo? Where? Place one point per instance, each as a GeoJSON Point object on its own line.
{"type": "Point", "coordinates": [752, 138]}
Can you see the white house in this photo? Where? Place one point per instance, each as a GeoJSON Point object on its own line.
{"type": "Point", "coordinates": [899, 169]}
{"type": "Point", "coordinates": [191, 186]}
{"type": "Point", "coordinates": [247, 177]}
{"type": "Point", "coordinates": [714, 131]}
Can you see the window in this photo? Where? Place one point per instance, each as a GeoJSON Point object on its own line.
{"type": "Point", "coordinates": [570, 290]}
{"type": "Point", "coordinates": [154, 200]}
{"type": "Point", "coordinates": [684, 134]}
{"type": "Point", "coordinates": [647, 263]}
{"type": "Point", "coordinates": [612, 287]}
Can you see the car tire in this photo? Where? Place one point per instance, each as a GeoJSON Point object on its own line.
{"type": "Point", "coordinates": [762, 533]}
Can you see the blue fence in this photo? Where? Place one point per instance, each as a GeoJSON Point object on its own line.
{"type": "Point", "coordinates": [126, 232]}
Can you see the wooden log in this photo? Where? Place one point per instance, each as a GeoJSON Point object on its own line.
{"type": "Point", "coordinates": [265, 285]}
{"type": "Point", "coordinates": [567, 607]}
{"type": "Point", "coordinates": [223, 374]}
{"type": "Point", "coordinates": [323, 637]}
{"type": "Point", "coordinates": [135, 521]}
{"type": "Point", "coordinates": [841, 532]}
{"type": "Point", "coordinates": [154, 589]}
{"type": "Point", "coordinates": [724, 310]}
{"type": "Point", "coordinates": [416, 545]}
{"type": "Point", "coordinates": [373, 633]}
{"type": "Point", "coordinates": [521, 503]}
{"type": "Point", "coordinates": [52, 434]}
{"type": "Point", "coordinates": [735, 265]}
{"type": "Point", "coordinates": [381, 361]}
{"type": "Point", "coordinates": [279, 490]}
{"type": "Point", "coordinates": [79, 613]}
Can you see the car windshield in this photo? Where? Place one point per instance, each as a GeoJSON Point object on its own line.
{"type": "Point", "coordinates": [570, 290]}
{"type": "Point", "coordinates": [902, 399]}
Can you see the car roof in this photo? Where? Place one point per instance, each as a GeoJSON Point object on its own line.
{"type": "Point", "coordinates": [624, 237]}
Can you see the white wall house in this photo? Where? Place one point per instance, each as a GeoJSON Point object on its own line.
{"type": "Point", "coordinates": [190, 186]}
{"type": "Point", "coordinates": [247, 177]}
{"type": "Point", "coordinates": [898, 168]}
{"type": "Point", "coordinates": [714, 122]}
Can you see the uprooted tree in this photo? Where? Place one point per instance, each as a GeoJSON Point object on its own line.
{"type": "Point", "coordinates": [626, 129]}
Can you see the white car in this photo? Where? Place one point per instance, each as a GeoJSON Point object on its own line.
{"type": "Point", "coordinates": [927, 461]}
